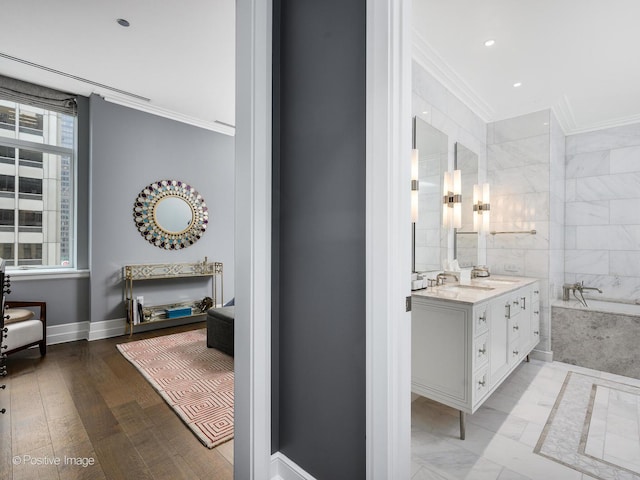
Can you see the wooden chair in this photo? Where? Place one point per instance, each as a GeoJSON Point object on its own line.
{"type": "Point", "coordinates": [26, 325]}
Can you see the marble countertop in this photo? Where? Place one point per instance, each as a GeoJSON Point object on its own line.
{"type": "Point", "coordinates": [477, 290]}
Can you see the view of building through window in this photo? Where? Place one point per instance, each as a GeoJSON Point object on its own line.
{"type": "Point", "coordinates": [36, 186]}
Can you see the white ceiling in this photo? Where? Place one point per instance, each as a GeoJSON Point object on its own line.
{"type": "Point", "coordinates": [578, 57]}
{"type": "Point", "coordinates": [178, 54]}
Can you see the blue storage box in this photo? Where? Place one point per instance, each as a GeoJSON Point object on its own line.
{"type": "Point", "coordinates": [178, 312]}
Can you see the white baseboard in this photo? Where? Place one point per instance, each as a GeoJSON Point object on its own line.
{"type": "Point", "coordinates": [107, 329]}
{"type": "Point", "coordinates": [68, 332]}
{"type": "Point", "coordinates": [72, 332]}
{"type": "Point", "coordinates": [282, 468]}
{"type": "Point", "coordinates": [542, 355]}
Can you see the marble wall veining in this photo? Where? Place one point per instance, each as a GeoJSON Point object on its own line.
{"type": "Point", "coordinates": [525, 168]}
{"type": "Point", "coordinates": [602, 232]}
{"type": "Point", "coordinates": [581, 193]}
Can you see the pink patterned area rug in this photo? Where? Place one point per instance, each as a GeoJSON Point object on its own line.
{"type": "Point", "coordinates": [196, 381]}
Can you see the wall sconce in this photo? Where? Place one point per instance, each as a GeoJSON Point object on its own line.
{"type": "Point", "coordinates": [414, 185]}
{"type": "Point", "coordinates": [481, 207]}
{"type": "Point", "coordinates": [452, 199]}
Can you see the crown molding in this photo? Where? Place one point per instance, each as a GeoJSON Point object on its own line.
{"type": "Point", "coordinates": [564, 114]}
{"type": "Point", "coordinates": [214, 126]}
{"type": "Point", "coordinates": [616, 122]}
{"type": "Point", "coordinates": [432, 62]}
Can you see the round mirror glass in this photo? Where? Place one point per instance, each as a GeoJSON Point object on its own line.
{"type": "Point", "coordinates": [173, 214]}
{"type": "Point", "coordinates": [170, 214]}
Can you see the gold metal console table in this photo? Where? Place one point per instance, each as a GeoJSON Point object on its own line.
{"type": "Point", "coordinates": [157, 313]}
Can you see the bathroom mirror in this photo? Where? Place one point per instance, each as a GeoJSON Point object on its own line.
{"type": "Point", "coordinates": [430, 244]}
{"type": "Point", "coordinates": [170, 214]}
{"type": "Point", "coordinates": [466, 239]}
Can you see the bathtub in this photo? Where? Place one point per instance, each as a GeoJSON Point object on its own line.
{"type": "Point", "coordinates": [604, 336]}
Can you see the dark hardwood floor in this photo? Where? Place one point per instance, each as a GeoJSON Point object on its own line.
{"type": "Point", "coordinates": [84, 403]}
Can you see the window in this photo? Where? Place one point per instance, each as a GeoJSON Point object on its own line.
{"type": "Point", "coordinates": [32, 123]}
{"type": "Point", "coordinates": [37, 154]}
{"type": "Point", "coordinates": [7, 217]}
{"type": "Point", "coordinates": [7, 155]}
{"type": "Point", "coordinates": [6, 252]}
{"type": "Point", "coordinates": [31, 186]}
{"type": "Point", "coordinates": [7, 183]}
{"type": "Point", "coordinates": [7, 118]}
{"type": "Point", "coordinates": [30, 158]}
{"type": "Point", "coordinates": [29, 253]}
{"type": "Point", "coordinates": [30, 221]}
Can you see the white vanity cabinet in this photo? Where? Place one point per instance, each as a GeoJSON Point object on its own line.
{"type": "Point", "coordinates": [467, 339]}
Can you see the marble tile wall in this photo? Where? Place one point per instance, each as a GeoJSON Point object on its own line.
{"type": "Point", "coordinates": [437, 106]}
{"type": "Point", "coordinates": [602, 232]}
{"type": "Point", "coordinates": [525, 168]}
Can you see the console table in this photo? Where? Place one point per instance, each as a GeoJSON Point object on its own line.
{"type": "Point", "coordinates": [149, 313]}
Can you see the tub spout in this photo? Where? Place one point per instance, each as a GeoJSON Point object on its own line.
{"type": "Point", "coordinates": [592, 288]}
{"type": "Point", "coordinates": [577, 288]}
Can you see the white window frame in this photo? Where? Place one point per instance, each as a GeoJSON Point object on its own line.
{"type": "Point", "coordinates": [46, 149]}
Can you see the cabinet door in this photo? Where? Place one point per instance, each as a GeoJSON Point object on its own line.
{"type": "Point", "coordinates": [499, 339]}
{"type": "Point", "coordinates": [524, 321]}
{"type": "Point", "coordinates": [440, 352]}
{"type": "Point", "coordinates": [535, 324]}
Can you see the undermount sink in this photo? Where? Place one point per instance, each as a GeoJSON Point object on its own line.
{"type": "Point", "coordinates": [496, 280]}
{"type": "Point", "coordinates": [460, 286]}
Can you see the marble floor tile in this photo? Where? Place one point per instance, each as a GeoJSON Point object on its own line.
{"type": "Point", "coordinates": [507, 474]}
{"type": "Point", "coordinates": [502, 435]}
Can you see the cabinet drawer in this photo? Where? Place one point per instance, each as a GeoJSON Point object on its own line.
{"type": "Point", "coordinates": [480, 319]}
{"type": "Point", "coordinates": [480, 351]}
{"type": "Point", "coordinates": [480, 384]}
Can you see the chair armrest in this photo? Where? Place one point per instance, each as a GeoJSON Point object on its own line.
{"type": "Point", "coordinates": [41, 305]}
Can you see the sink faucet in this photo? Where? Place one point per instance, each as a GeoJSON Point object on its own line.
{"type": "Point", "coordinates": [441, 276]}
{"type": "Point", "coordinates": [577, 287]}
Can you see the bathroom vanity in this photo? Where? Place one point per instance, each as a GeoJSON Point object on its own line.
{"type": "Point", "coordinates": [466, 339]}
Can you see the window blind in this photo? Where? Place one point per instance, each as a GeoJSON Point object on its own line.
{"type": "Point", "coordinates": [42, 97]}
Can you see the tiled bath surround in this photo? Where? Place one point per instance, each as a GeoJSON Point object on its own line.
{"type": "Point", "coordinates": [603, 211]}
{"type": "Point", "coordinates": [592, 339]}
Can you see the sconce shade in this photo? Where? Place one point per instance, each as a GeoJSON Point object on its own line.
{"type": "Point", "coordinates": [481, 207]}
{"type": "Point", "coordinates": [452, 199]}
{"type": "Point", "coordinates": [414, 184]}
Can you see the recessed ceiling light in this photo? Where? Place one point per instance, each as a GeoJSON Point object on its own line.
{"type": "Point", "coordinates": [122, 22]}
{"type": "Point", "coordinates": [425, 112]}
{"type": "Point", "coordinates": [489, 43]}
{"type": "Point", "coordinates": [517, 84]}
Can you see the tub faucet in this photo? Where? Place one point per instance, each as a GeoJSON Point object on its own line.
{"type": "Point", "coordinates": [579, 288]}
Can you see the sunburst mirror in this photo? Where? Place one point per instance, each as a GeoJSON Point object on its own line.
{"type": "Point", "coordinates": [170, 214]}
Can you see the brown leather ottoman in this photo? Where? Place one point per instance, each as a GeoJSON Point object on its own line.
{"type": "Point", "coordinates": [220, 329]}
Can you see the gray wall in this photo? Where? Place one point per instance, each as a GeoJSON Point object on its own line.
{"type": "Point", "coordinates": [120, 151]}
{"type": "Point", "coordinates": [319, 259]}
{"type": "Point", "coordinates": [129, 150]}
